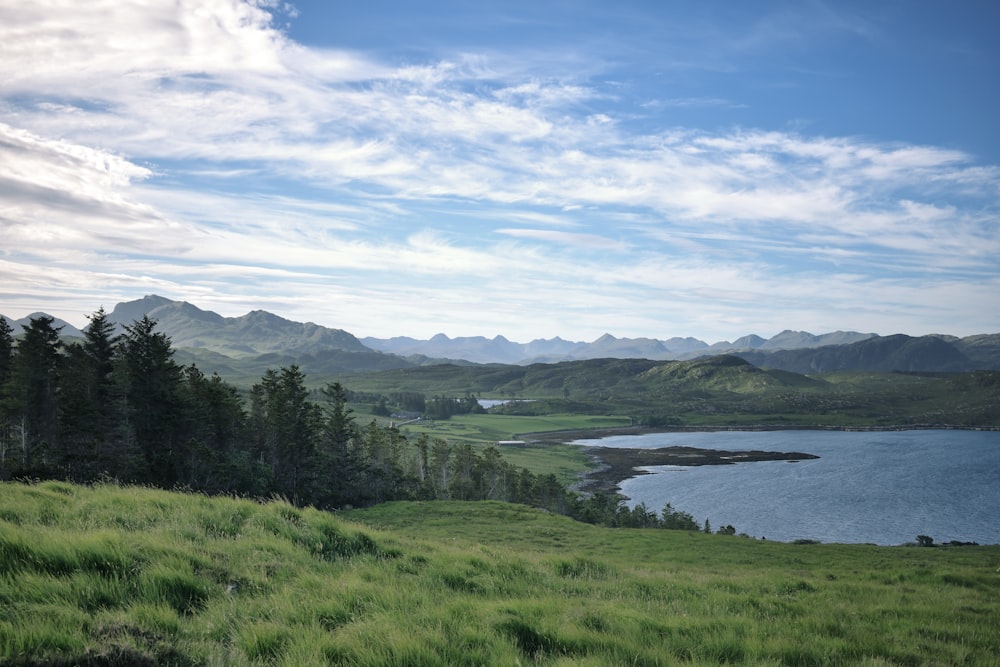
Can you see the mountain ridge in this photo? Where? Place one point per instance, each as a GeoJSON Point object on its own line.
{"type": "Point", "coordinates": [260, 333]}
{"type": "Point", "coordinates": [480, 349]}
{"type": "Point", "coordinates": [257, 332]}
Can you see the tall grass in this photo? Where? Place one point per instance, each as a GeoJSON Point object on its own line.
{"type": "Point", "coordinates": [115, 576]}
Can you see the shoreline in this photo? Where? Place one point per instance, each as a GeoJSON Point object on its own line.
{"type": "Point", "coordinates": [597, 433]}
{"type": "Point", "coordinates": [614, 465]}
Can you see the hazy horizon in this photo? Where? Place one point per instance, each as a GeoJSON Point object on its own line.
{"type": "Point", "coordinates": [82, 322]}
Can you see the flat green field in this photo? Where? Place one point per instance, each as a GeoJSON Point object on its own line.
{"type": "Point", "coordinates": [128, 576]}
{"type": "Point", "coordinates": [491, 428]}
{"type": "Point", "coordinates": [566, 462]}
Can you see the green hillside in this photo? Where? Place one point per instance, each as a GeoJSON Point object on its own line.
{"type": "Point", "coordinates": [717, 391]}
{"type": "Point", "coordinates": [128, 576]}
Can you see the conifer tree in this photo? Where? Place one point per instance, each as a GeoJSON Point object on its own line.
{"type": "Point", "coordinates": [440, 467]}
{"type": "Point", "coordinates": [151, 393]}
{"type": "Point", "coordinates": [288, 428]}
{"type": "Point", "coordinates": [6, 361]}
{"type": "Point", "coordinates": [31, 401]}
{"type": "Point", "coordinates": [215, 430]}
{"type": "Point", "coordinates": [336, 466]}
{"type": "Point", "coordinates": [6, 349]}
{"type": "Point", "coordinates": [89, 411]}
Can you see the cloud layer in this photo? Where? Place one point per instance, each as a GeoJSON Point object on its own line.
{"type": "Point", "coordinates": [195, 150]}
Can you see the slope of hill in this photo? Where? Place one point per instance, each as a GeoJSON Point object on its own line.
{"type": "Point", "coordinates": [882, 353]}
{"type": "Point", "coordinates": [108, 576]}
{"type": "Point", "coordinates": [257, 332]}
{"type": "Point", "coordinates": [66, 329]}
{"type": "Point", "coordinates": [983, 350]}
{"type": "Point", "coordinates": [500, 350]}
{"type": "Point", "coordinates": [791, 340]}
{"type": "Point", "coordinates": [724, 390]}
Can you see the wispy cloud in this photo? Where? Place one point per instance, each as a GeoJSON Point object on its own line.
{"type": "Point", "coordinates": [193, 147]}
{"type": "Point", "coordinates": [593, 241]}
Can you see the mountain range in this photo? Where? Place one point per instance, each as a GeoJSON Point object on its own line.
{"type": "Point", "coordinates": [479, 349]}
{"type": "Point", "coordinates": [273, 340]}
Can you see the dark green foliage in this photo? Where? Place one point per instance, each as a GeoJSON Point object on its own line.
{"type": "Point", "coordinates": [443, 407]}
{"type": "Point", "coordinates": [90, 407]}
{"type": "Point", "coordinates": [724, 390]}
{"type": "Point", "coordinates": [123, 408]}
{"type": "Point", "coordinates": [674, 519]}
{"type": "Point", "coordinates": [30, 396]}
{"type": "Point", "coordinates": [6, 350]}
{"type": "Point", "coordinates": [151, 383]}
{"type": "Point", "coordinates": [288, 430]}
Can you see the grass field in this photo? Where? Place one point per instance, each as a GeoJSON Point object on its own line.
{"type": "Point", "coordinates": [566, 462]}
{"type": "Point", "coordinates": [128, 576]}
{"type": "Point", "coordinates": [490, 427]}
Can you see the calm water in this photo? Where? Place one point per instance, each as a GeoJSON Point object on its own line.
{"type": "Point", "coordinates": [877, 487]}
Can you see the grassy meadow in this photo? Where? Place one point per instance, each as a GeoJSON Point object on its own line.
{"type": "Point", "coordinates": [493, 427]}
{"type": "Point", "coordinates": [566, 462]}
{"type": "Point", "coordinates": [110, 575]}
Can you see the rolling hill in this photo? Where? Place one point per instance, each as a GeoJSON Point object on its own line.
{"type": "Point", "coordinates": [107, 575]}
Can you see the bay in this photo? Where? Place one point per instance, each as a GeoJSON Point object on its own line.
{"type": "Point", "coordinates": [879, 487]}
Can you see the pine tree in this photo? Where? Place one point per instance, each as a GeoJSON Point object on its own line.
{"type": "Point", "coordinates": [288, 427]}
{"type": "Point", "coordinates": [6, 349]}
{"type": "Point", "coordinates": [464, 480]}
{"type": "Point", "coordinates": [380, 453]}
{"type": "Point", "coordinates": [215, 430]}
{"type": "Point", "coordinates": [31, 400]}
{"type": "Point", "coordinates": [89, 411]}
{"type": "Point", "coordinates": [151, 380]}
{"type": "Point", "coordinates": [337, 470]}
{"type": "Point", "coordinates": [6, 362]}
{"type": "Point", "coordinates": [440, 469]}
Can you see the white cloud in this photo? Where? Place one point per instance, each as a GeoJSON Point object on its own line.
{"type": "Point", "coordinates": [148, 140]}
{"type": "Point", "coordinates": [592, 241]}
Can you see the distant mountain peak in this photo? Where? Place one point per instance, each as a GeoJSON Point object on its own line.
{"type": "Point", "coordinates": [750, 341]}
{"type": "Point", "coordinates": [262, 316]}
{"type": "Point", "coordinates": [257, 332]}
{"type": "Point", "coordinates": [64, 327]}
{"type": "Point", "coordinates": [155, 300]}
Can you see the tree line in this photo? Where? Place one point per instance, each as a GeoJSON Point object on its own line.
{"type": "Point", "coordinates": [119, 407]}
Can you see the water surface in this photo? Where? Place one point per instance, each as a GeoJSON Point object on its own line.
{"type": "Point", "coordinates": [882, 487]}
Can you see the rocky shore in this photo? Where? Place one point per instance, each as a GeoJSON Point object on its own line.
{"type": "Point", "coordinates": [613, 465]}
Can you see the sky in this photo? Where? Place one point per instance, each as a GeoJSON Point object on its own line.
{"type": "Point", "coordinates": [525, 169]}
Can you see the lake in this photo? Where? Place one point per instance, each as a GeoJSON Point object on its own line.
{"type": "Point", "coordinates": [880, 487]}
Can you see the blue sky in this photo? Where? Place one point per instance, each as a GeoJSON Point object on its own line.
{"type": "Point", "coordinates": [530, 169]}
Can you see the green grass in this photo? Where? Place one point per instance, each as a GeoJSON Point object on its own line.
{"type": "Point", "coordinates": [491, 428]}
{"type": "Point", "coordinates": [120, 576]}
{"type": "Point", "coordinates": [566, 462]}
